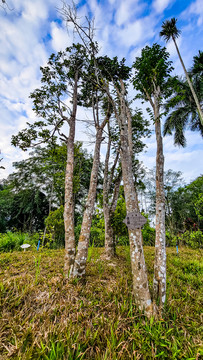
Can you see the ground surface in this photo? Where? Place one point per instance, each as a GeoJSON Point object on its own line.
{"type": "Point", "coordinates": [44, 317]}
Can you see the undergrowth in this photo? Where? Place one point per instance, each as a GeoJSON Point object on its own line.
{"type": "Point", "coordinates": [45, 317]}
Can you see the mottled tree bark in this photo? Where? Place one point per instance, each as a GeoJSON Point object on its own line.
{"type": "Point", "coordinates": [82, 252]}
{"type": "Point", "coordinates": [139, 271]}
{"type": "Point", "coordinates": [109, 205]}
{"type": "Point", "coordinates": [69, 200]}
{"type": "Point", "coordinates": [159, 284]}
{"type": "Point", "coordinates": [110, 249]}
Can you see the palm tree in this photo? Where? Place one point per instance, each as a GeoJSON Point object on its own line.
{"type": "Point", "coordinates": [181, 106]}
{"type": "Point", "coordinates": [170, 31]}
{"type": "Point", "coordinates": [183, 111]}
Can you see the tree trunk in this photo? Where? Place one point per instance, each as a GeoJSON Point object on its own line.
{"type": "Point", "coordinates": [159, 283]}
{"type": "Point", "coordinates": [190, 84]}
{"type": "Point", "coordinates": [107, 207]}
{"type": "Point", "coordinates": [69, 201]}
{"type": "Point", "coordinates": [81, 257]}
{"type": "Point", "coordinates": [110, 249]}
{"type": "Point", "coordinates": [139, 271]}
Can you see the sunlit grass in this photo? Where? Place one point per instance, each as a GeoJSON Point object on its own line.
{"type": "Point", "coordinates": [45, 317]}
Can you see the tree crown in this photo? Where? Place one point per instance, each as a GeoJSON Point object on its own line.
{"type": "Point", "coordinates": [169, 30]}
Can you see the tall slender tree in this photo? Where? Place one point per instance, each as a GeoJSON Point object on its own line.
{"type": "Point", "coordinates": [152, 70]}
{"type": "Point", "coordinates": [79, 261]}
{"type": "Point", "coordinates": [111, 185]}
{"type": "Point", "coordinates": [170, 31]}
{"type": "Point", "coordinates": [60, 81]}
{"type": "Point", "coordinates": [116, 74]}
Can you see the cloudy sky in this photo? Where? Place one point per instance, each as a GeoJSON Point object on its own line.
{"type": "Point", "coordinates": [30, 30]}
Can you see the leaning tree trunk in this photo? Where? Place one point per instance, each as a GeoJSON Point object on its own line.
{"type": "Point", "coordinates": [139, 271]}
{"type": "Point", "coordinates": [69, 200]}
{"type": "Point", "coordinates": [159, 284]}
{"type": "Point", "coordinates": [190, 83]}
{"type": "Point", "coordinates": [82, 252]}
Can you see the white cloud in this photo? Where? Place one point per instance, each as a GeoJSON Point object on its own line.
{"type": "Point", "coordinates": [160, 5]}
{"type": "Point", "coordinates": [60, 38]}
{"type": "Point", "coordinates": [35, 11]}
{"type": "Point", "coordinates": [128, 9]}
{"type": "Point", "coordinates": [195, 8]}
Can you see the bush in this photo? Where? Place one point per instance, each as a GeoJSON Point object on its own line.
{"type": "Point", "coordinates": [97, 236]}
{"type": "Point", "coordinates": [192, 239]}
{"type": "Point", "coordinates": [11, 241]}
{"type": "Point", "coordinates": [55, 228]}
{"type": "Point", "coordinates": [122, 240]}
{"type": "Point", "coordinates": [148, 233]}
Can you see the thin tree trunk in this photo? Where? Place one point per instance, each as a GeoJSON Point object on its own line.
{"type": "Point", "coordinates": [110, 249]}
{"type": "Point", "coordinates": [190, 83]}
{"type": "Point", "coordinates": [82, 252]}
{"type": "Point", "coordinates": [109, 241]}
{"type": "Point", "coordinates": [159, 283]}
{"type": "Point", "coordinates": [107, 207]}
{"type": "Point", "coordinates": [69, 201]}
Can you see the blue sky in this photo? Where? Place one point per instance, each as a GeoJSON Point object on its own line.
{"type": "Point", "coordinates": [33, 30]}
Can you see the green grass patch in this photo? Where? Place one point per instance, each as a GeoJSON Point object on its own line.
{"type": "Point", "coordinates": [44, 317]}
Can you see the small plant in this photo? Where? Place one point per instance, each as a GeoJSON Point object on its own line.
{"type": "Point", "coordinates": [37, 268]}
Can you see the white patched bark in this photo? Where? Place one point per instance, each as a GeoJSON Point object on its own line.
{"type": "Point", "coordinates": [69, 199]}
{"type": "Point", "coordinates": [139, 271]}
{"type": "Point", "coordinates": [109, 234]}
{"type": "Point", "coordinates": [82, 251]}
{"type": "Point", "coordinates": [159, 283]}
{"type": "Point", "coordinates": [108, 205]}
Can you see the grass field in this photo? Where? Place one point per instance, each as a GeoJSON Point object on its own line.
{"type": "Point", "coordinates": [44, 317]}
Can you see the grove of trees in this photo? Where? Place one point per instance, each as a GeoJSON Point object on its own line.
{"type": "Point", "coordinates": [60, 178]}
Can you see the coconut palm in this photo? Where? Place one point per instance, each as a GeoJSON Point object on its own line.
{"type": "Point", "coordinates": [170, 31]}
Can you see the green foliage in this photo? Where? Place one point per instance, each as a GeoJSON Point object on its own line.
{"type": "Point", "coordinates": [170, 30]}
{"type": "Point", "coordinates": [97, 233]}
{"type": "Point", "coordinates": [199, 206]}
{"type": "Point", "coordinates": [112, 69]}
{"type": "Point", "coordinates": [11, 241]}
{"type": "Point", "coordinates": [55, 227]}
{"type": "Point", "coordinates": [148, 233]}
{"type": "Point", "coordinates": [24, 210]}
{"type": "Point", "coordinates": [182, 109]}
{"type": "Point", "coordinates": [151, 71]}
{"type": "Point", "coordinates": [58, 80]}
{"type": "Point", "coordinates": [6, 198]}
{"type": "Point", "coordinates": [23, 203]}
{"type": "Point", "coordinates": [185, 204]}
{"type": "Point", "coordinates": [192, 239]}
{"type": "Point", "coordinates": [120, 229]}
